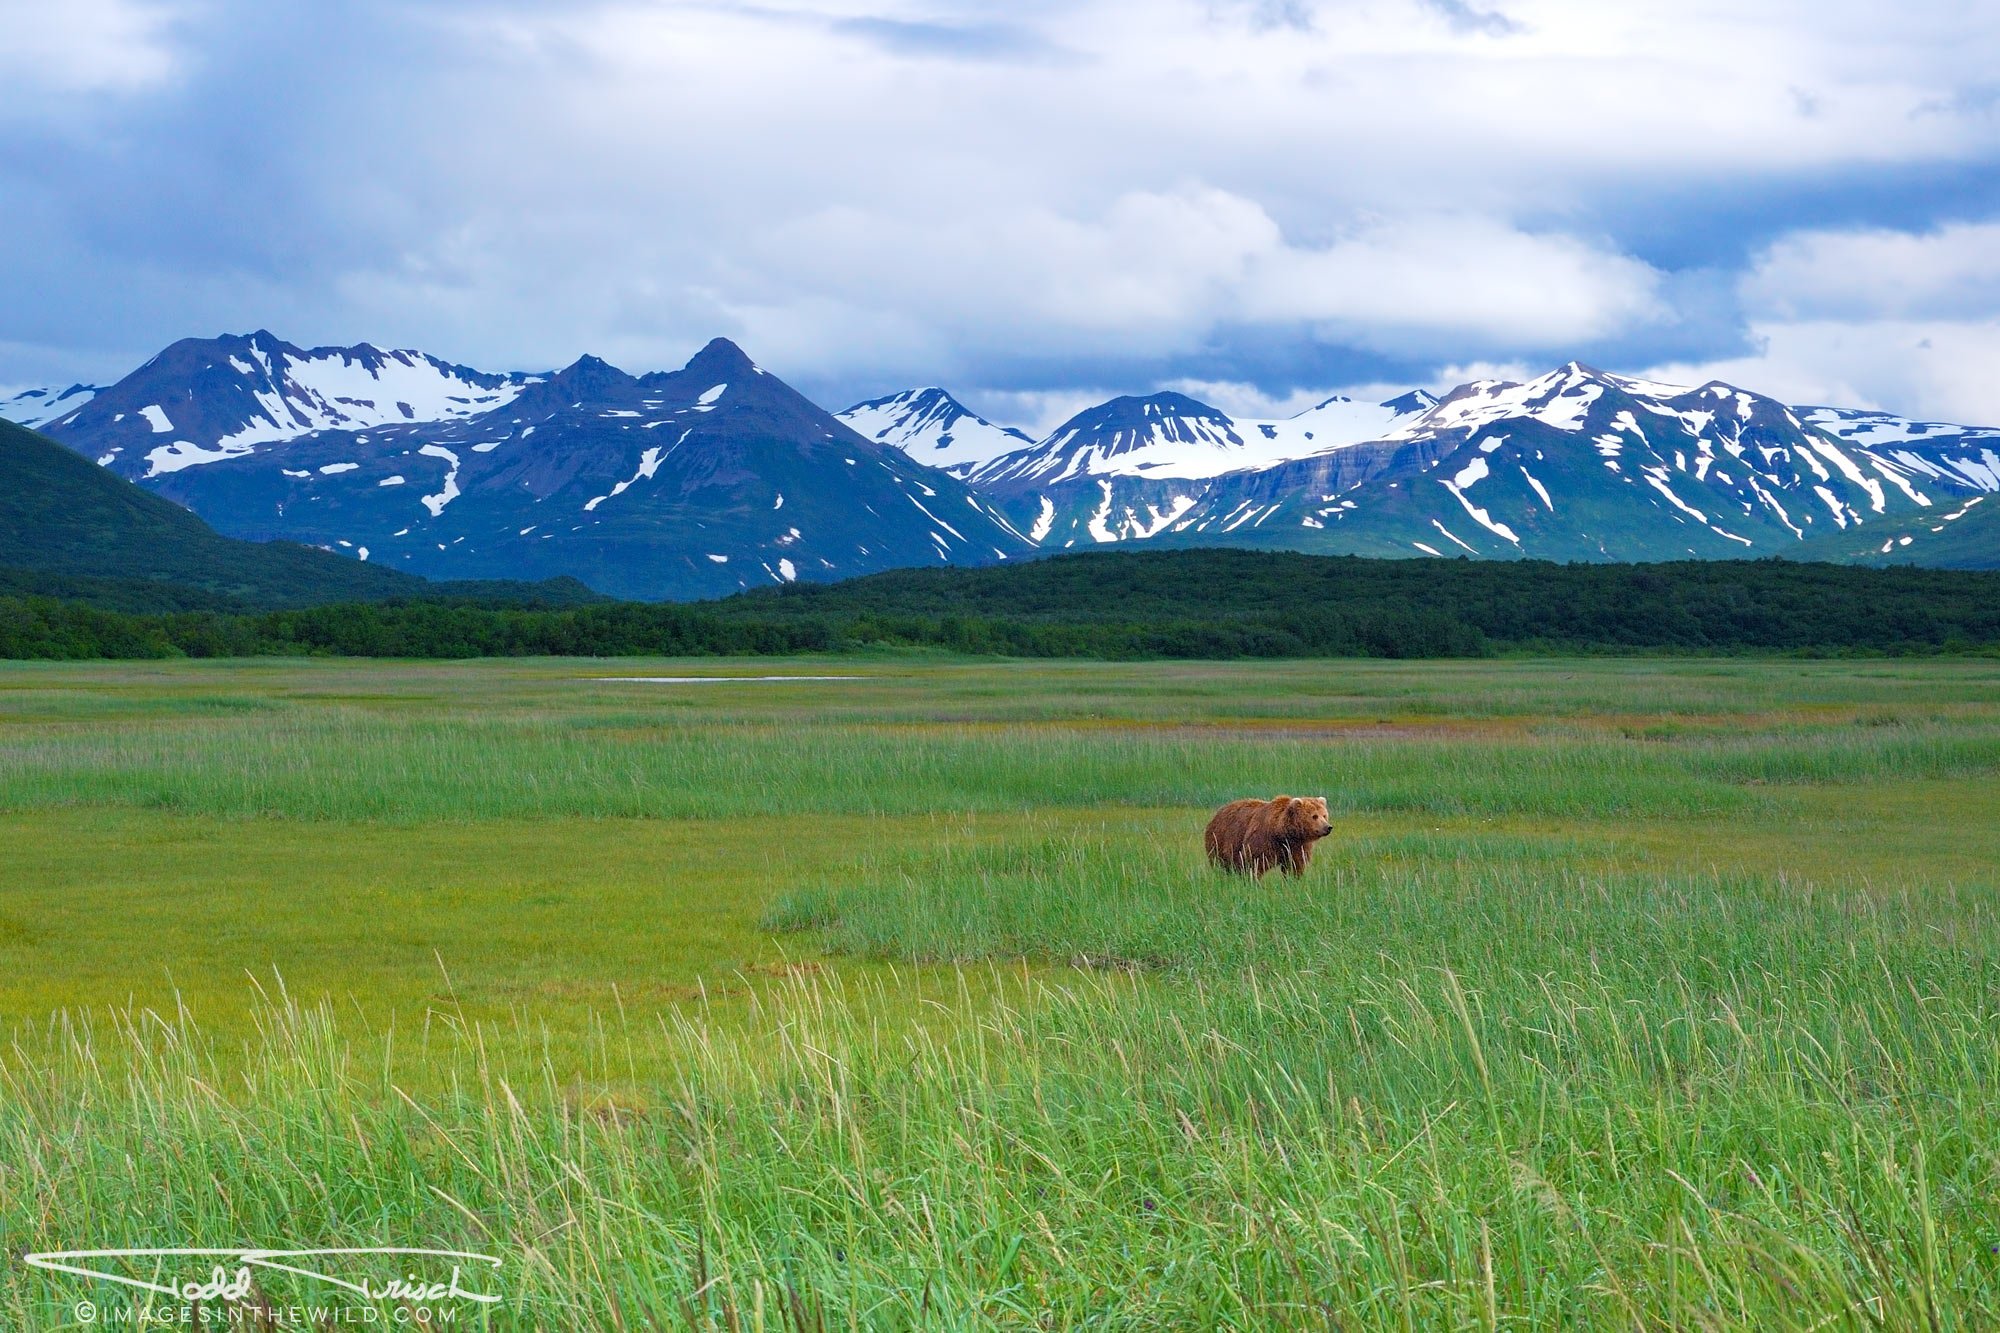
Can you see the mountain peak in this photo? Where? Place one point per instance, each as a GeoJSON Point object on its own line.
{"type": "Point", "coordinates": [1136, 408]}
{"type": "Point", "coordinates": [722, 359]}
{"type": "Point", "coordinates": [1181, 403]}
{"type": "Point", "coordinates": [205, 400]}
{"type": "Point", "coordinates": [588, 375]}
{"type": "Point", "coordinates": [1164, 428]}
{"type": "Point", "coordinates": [934, 428]}
{"type": "Point", "coordinates": [1416, 400]}
{"type": "Point", "coordinates": [262, 340]}
{"type": "Point", "coordinates": [929, 399]}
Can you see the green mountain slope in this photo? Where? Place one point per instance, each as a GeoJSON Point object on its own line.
{"type": "Point", "coordinates": [1964, 534]}
{"type": "Point", "coordinates": [62, 514]}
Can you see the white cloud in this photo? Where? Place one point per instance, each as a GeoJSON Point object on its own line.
{"type": "Point", "coordinates": [1450, 376]}
{"type": "Point", "coordinates": [1473, 281]}
{"type": "Point", "coordinates": [84, 46]}
{"type": "Point", "coordinates": [1157, 273]}
{"type": "Point", "coordinates": [1907, 322]}
{"type": "Point", "coordinates": [853, 208]}
{"type": "Point", "coordinates": [1953, 271]}
{"type": "Point", "coordinates": [914, 190]}
{"type": "Point", "coordinates": [1940, 370]}
{"type": "Point", "coordinates": [1035, 411]}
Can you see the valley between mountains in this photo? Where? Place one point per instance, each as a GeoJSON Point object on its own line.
{"type": "Point", "coordinates": [719, 476]}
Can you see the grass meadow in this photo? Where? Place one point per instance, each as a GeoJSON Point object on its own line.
{"type": "Point", "coordinates": [1628, 994]}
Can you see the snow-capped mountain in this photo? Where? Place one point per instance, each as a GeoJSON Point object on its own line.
{"type": "Point", "coordinates": [1173, 435]}
{"type": "Point", "coordinates": [35, 408]}
{"type": "Point", "coordinates": [207, 399]}
{"type": "Point", "coordinates": [1576, 464]}
{"type": "Point", "coordinates": [1124, 437]}
{"type": "Point", "coordinates": [934, 428]}
{"type": "Point", "coordinates": [718, 476]}
{"type": "Point", "coordinates": [1161, 434]}
{"type": "Point", "coordinates": [698, 482]}
{"type": "Point", "coordinates": [1132, 468]}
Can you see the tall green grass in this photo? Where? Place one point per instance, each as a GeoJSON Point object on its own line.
{"type": "Point", "coordinates": [1585, 1105]}
{"type": "Point", "coordinates": [355, 766]}
{"type": "Point", "coordinates": [1463, 902]}
{"type": "Point", "coordinates": [1503, 1059]}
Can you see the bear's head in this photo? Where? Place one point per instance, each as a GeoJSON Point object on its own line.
{"type": "Point", "coordinates": [1303, 818]}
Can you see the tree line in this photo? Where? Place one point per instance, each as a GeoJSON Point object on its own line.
{"type": "Point", "coordinates": [1175, 604]}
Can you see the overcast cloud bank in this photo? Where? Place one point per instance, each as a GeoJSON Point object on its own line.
{"type": "Point", "coordinates": [1036, 204]}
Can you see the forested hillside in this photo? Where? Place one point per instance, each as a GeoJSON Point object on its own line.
{"type": "Point", "coordinates": [1188, 604]}
{"type": "Point", "coordinates": [64, 515]}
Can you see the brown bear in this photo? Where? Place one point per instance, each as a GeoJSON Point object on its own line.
{"type": "Point", "coordinates": [1252, 836]}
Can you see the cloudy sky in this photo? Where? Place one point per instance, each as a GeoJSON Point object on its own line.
{"type": "Point", "coordinates": [1034, 203]}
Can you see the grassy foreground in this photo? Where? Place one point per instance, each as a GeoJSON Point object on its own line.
{"type": "Point", "coordinates": [1626, 994]}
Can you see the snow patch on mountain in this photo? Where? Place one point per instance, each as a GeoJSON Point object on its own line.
{"type": "Point", "coordinates": [185, 453]}
{"type": "Point", "coordinates": [649, 463]}
{"type": "Point", "coordinates": [1469, 476]}
{"type": "Point", "coordinates": [1130, 523]}
{"type": "Point", "coordinates": [1044, 520]}
{"type": "Point", "coordinates": [35, 408]}
{"type": "Point", "coordinates": [449, 491]}
{"type": "Point", "coordinates": [1539, 489]}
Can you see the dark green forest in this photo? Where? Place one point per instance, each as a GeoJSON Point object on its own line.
{"type": "Point", "coordinates": [1166, 604]}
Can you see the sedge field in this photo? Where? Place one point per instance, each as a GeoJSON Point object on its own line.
{"type": "Point", "coordinates": [1626, 994]}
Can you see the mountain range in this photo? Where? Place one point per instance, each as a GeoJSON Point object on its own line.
{"type": "Point", "coordinates": [692, 483]}
{"type": "Point", "coordinates": [717, 477]}
{"type": "Point", "coordinates": [1573, 465]}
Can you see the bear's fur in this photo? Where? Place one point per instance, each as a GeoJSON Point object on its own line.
{"type": "Point", "coordinates": [1252, 836]}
